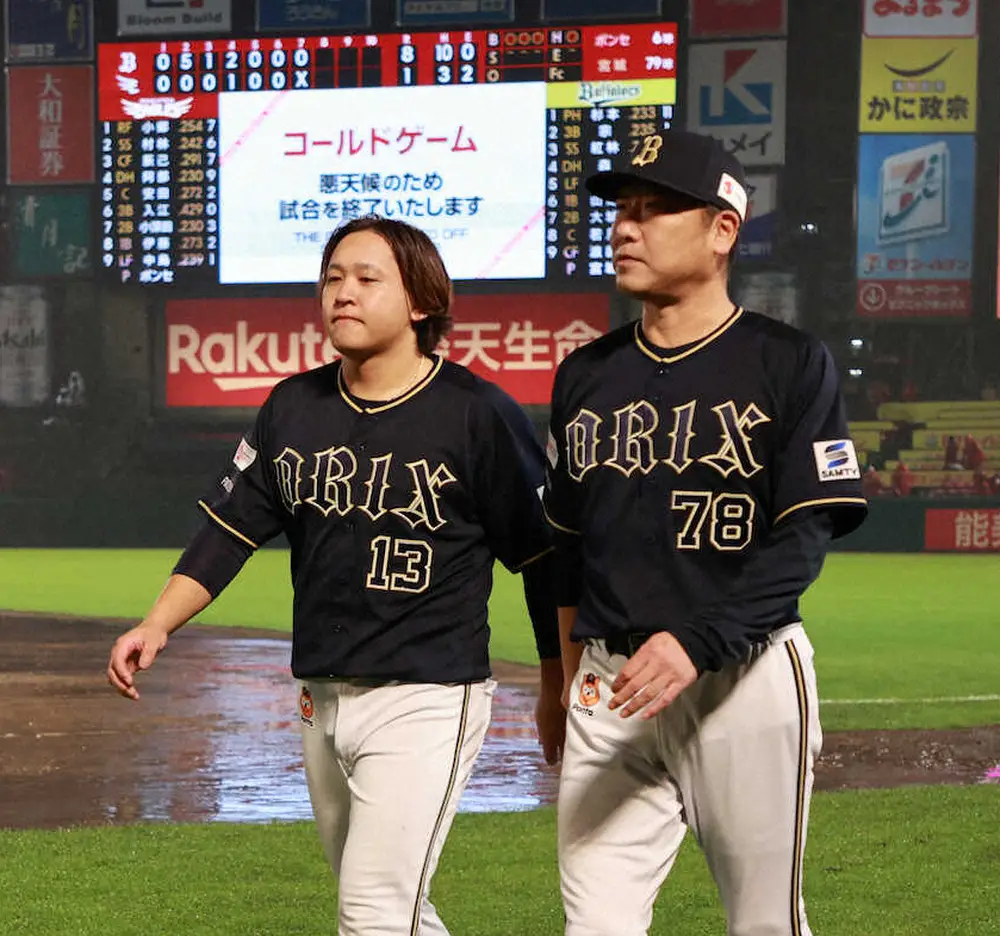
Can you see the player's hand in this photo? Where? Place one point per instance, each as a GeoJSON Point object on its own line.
{"type": "Point", "coordinates": [658, 672]}
{"type": "Point", "coordinates": [550, 721]}
{"type": "Point", "coordinates": [134, 650]}
{"type": "Point", "coordinates": [567, 685]}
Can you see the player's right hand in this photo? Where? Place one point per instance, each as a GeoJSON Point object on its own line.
{"type": "Point", "coordinates": [135, 650]}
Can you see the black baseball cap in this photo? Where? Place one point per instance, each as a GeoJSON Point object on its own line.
{"type": "Point", "coordinates": [690, 163]}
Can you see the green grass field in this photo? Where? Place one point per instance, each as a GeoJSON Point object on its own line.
{"type": "Point", "coordinates": [910, 634]}
{"type": "Point", "coordinates": [913, 633]}
{"type": "Point", "coordinates": [915, 862]}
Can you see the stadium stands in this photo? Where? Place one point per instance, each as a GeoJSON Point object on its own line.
{"type": "Point", "coordinates": [947, 447]}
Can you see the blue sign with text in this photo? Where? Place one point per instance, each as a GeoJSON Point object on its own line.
{"type": "Point", "coordinates": [582, 10]}
{"type": "Point", "coordinates": [466, 13]}
{"type": "Point", "coordinates": [306, 15]}
{"type": "Point", "coordinates": [50, 31]}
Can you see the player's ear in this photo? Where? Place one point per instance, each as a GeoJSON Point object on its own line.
{"type": "Point", "coordinates": [725, 230]}
{"type": "Point", "coordinates": [417, 316]}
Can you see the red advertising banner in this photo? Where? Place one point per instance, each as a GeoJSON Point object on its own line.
{"type": "Point", "coordinates": [717, 18]}
{"type": "Point", "coordinates": [909, 18]}
{"type": "Point", "coordinates": [962, 530]}
{"type": "Point", "coordinates": [929, 298]}
{"type": "Point", "coordinates": [50, 132]}
{"type": "Point", "coordinates": [230, 352]}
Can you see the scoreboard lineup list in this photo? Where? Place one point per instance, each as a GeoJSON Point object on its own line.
{"type": "Point", "coordinates": [160, 164]}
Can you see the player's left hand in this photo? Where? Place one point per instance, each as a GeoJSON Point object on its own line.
{"type": "Point", "coordinates": [658, 672]}
{"type": "Point", "coordinates": [550, 721]}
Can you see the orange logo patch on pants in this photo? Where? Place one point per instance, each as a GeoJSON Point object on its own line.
{"type": "Point", "coordinates": [590, 691]}
{"type": "Point", "coordinates": [306, 706]}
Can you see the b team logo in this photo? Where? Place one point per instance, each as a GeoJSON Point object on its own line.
{"type": "Point", "coordinates": [649, 150]}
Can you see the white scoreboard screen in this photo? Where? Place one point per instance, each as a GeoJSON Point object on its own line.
{"type": "Point", "coordinates": [228, 162]}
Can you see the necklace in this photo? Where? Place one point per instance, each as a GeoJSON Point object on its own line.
{"type": "Point", "coordinates": [395, 393]}
{"type": "Point", "coordinates": [410, 382]}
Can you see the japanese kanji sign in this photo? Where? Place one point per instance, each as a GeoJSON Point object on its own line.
{"type": "Point", "coordinates": [913, 18]}
{"type": "Point", "coordinates": [438, 158]}
{"type": "Point", "coordinates": [230, 352]}
{"type": "Point", "coordinates": [915, 225]}
{"type": "Point", "coordinates": [724, 18]}
{"type": "Point", "coordinates": [51, 233]}
{"type": "Point", "coordinates": [736, 93]}
{"type": "Point", "coordinates": [918, 85]}
{"type": "Point", "coordinates": [298, 15]}
{"type": "Point", "coordinates": [50, 31]}
{"type": "Point", "coordinates": [971, 530]}
{"type": "Point", "coordinates": [152, 17]}
{"type": "Point", "coordinates": [51, 124]}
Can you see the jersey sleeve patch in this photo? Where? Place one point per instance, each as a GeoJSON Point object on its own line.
{"type": "Point", "coordinates": [245, 455]}
{"type": "Point", "coordinates": [836, 460]}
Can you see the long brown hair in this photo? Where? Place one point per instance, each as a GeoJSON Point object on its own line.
{"type": "Point", "coordinates": [425, 279]}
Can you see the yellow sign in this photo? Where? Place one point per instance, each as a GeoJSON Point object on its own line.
{"type": "Point", "coordinates": [621, 93]}
{"type": "Point", "coordinates": [918, 85]}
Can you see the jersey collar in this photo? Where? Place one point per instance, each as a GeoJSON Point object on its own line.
{"type": "Point", "coordinates": [659, 355]}
{"type": "Point", "coordinates": [370, 407]}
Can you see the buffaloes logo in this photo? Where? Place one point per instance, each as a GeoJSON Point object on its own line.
{"type": "Point", "coordinates": [306, 707]}
{"type": "Point", "coordinates": [590, 691]}
{"type": "Point", "coordinates": [648, 150]}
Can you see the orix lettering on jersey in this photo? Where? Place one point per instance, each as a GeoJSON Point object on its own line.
{"type": "Point", "coordinates": [325, 482]}
{"type": "Point", "coordinates": [634, 436]}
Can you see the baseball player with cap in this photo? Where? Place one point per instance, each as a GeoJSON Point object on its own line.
{"type": "Point", "coordinates": [398, 478]}
{"type": "Point", "coordinates": [699, 465]}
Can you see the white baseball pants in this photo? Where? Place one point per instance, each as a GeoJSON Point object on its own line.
{"type": "Point", "coordinates": [731, 758]}
{"type": "Point", "coordinates": [386, 766]}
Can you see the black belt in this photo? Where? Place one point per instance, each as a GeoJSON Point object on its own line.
{"type": "Point", "coordinates": [625, 643]}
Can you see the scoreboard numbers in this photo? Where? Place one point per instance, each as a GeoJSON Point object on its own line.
{"type": "Point", "coordinates": [162, 166]}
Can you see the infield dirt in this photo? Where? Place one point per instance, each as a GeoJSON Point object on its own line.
{"type": "Point", "coordinates": [215, 736]}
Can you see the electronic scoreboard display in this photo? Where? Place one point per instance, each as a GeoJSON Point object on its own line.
{"type": "Point", "coordinates": [228, 162]}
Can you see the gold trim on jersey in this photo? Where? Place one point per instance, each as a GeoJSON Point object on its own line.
{"type": "Point", "coordinates": [535, 558]}
{"type": "Point", "coordinates": [558, 526]}
{"type": "Point", "coordinates": [456, 762]}
{"type": "Point", "coordinates": [388, 404]}
{"type": "Point", "coordinates": [820, 501]}
{"type": "Point", "coordinates": [644, 346]}
{"type": "Point", "coordinates": [222, 523]}
{"type": "Point", "coordinates": [800, 787]}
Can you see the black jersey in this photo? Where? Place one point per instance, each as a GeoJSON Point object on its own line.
{"type": "Point", "coordinates": [671, 467]}
{"type": "Point", "coordinates": [395, 513]}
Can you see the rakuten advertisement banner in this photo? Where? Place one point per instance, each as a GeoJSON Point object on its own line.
{"type": "Point", "coordinates": [231, 352]}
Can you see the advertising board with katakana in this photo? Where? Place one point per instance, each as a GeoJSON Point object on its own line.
{"type": "Point", "coordinates": [226, 162]}
{"type": "Point", "coordinates": [915, 225]}
{"type": "Point", "coordinates": [736, 93]}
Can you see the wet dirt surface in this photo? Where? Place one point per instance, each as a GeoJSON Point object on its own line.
{"type": "Point", "coordinates": [216, 736]}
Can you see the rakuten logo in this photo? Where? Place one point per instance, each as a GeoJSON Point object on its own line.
{"type": "Point", "coordinates": [245, 360]}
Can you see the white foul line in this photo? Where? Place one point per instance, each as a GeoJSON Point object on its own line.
{"type": "Point", "coordinates": [968, 698]}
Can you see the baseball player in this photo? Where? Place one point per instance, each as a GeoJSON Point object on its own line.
{"type": "Point", "coordinates": [398, 478]}
{"type": "Point", "coordinates": [699, 466]}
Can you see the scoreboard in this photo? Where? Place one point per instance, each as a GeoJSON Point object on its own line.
{"type": "Point", "coordinates": [228, 162]}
